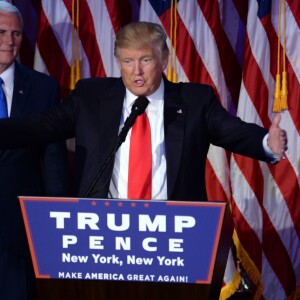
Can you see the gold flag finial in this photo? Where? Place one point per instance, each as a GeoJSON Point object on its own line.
{"type": "Point", "coordinates": [75, 60]}
{"type": "Point", "coordinates": [284, 88]}
{"type": "Point", "coordinates": [281, 88]}
{"type": "Point", "coordinates": [172, 68]}
{"type": "Point", "coordinates": [276, 104]}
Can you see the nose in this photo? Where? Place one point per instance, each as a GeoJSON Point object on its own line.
{"type": "Point", "coordinates": [138, 67]}
{"type": "Point", "coordinates": [8, 38]}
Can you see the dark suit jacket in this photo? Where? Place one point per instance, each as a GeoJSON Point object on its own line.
{"type": "Point", "coordinates": [193, 118]}
{"type": "Point", "coordinates": [35, 170]}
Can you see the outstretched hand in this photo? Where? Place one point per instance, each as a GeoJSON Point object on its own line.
{"type": "Point", "coordinates": [277, 140]}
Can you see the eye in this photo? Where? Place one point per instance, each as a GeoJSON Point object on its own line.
{"type": "Point", "coordinates": [146, 60]}
{"type": "Point", "coordinates": [17, 33]}
{"type": "Point", "coordinates": [127, 62]}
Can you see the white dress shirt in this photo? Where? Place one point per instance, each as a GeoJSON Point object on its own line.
{"type": "Point", "coordinates": [8, 85]}
{"type": "Point", "coordinates": [155, 113]}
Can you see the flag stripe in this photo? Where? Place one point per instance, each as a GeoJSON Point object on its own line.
{"type": "Point", "coordinates": [283, 271]}
{"type": "Point", "coordinates": [120, 12]}
{"type": "Point", "coordinates": [88, 40]}
{"type": "Point", "coordinates": [269, 188]}
{"type": "Point", "coordinates": [203, 52]}
{"type": "Point", "coordinates": [217, 190]}
{"type": "Point", "coordinates": [105, 36]}
{"type": "Point", "coordinates": [193, 74]}
{"type": "Point", "coordinates": [246, 234]}
{"type": "Point", "coordinates": [295, 8]}
{"type": "Point", "coordinates": [60, 69]}
{"type": "Point", "coordinates": [228, 59]}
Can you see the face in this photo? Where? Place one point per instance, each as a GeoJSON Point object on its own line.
{"type": "Point", "coordinates": [10, 39]}
{"type": "Point", "coordinates": [141, 69]}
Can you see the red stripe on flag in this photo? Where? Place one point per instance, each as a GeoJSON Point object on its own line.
{"type": "Point", "coordinates": [271, 241]}
{"type": "Point", "coordinates": [119, 12]}
{"type": "Point", "coordinates": [248, 167]}
{"type": "Point", "coordinates": [88, 38]}
{"type": "Point", "coordinates": [255, 85]}
{"type": "Point", "coordinates": [295, 9]}
{"type": "Point", "coordinates": [188, 62]}
{"type": "Point", "coordinates": [214, 191]}
{"type": "Point", "coordinates": [89, 42]}
{"type": "Point", "coordinates": [230, 65]}
{"type": "Point", "coordinates": [287, 182]}
{"type": "Point", "coordinates": [55, 60]}
{"type": "Point", "coordinates": [246, 235]}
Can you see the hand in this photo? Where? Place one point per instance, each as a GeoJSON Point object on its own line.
{"type": "Point", "coordinates": [277, 140]}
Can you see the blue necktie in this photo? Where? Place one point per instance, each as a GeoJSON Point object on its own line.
{"type": "Point", "coordinates": [3, 104]}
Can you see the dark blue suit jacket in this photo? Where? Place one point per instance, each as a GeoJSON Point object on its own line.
{"type": "Point", "coordinates": [35, 170]}
{"type": "Point", "coordinates": [193, 119]}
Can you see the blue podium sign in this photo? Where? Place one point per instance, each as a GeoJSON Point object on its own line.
{"type": "Point", "coordinates": [123, 240]}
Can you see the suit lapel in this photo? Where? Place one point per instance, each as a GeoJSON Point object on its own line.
{"type": "Point", "coordinates": [110, 112]}
{"type": "Point", "coordinates": [111, 109]}
{"type": "Point", "coordinates": [174, 122]}
{"type": "Point", "coordinates": [20, 92]}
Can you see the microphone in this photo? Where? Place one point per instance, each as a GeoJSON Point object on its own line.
{"type": "Point", "coordinates": [138, 108]}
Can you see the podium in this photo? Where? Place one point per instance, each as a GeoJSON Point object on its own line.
{"type": "Point", "coordinates": [123, 249]}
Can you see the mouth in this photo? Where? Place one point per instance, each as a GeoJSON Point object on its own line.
{"type": "Point", "coordinates": [6, 51]}
{"type": "Point", "coordinates": [139, 82]}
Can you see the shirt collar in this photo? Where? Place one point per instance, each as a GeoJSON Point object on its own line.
{"type": "Point", "coordinates": [8, 76]}
{"type": "Point", "coordinates": [154, 99]}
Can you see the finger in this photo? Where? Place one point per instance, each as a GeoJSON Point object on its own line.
{"type": "Point", "coordinates": [283, 135]}
{"type": "Point", "coordinates": [276, 120]}
{"type": "Point", "coordinates": [284, 141]}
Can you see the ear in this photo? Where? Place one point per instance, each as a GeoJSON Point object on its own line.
{"type": "Point", "coordinates": [164, 63]}
{"type": "Point", "coordinates": [119, 62]}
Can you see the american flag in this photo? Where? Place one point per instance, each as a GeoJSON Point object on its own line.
{"type": "Point", "coordinates": [233, 46]}
{"type": "Point", "coordinates": [265, 199]}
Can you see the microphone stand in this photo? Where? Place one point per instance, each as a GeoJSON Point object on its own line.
{"type": "Point", "coordinates": [100, 172]}
{"type": "Point", "coordinates": [138, 108]}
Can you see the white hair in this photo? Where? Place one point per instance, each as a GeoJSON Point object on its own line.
{"type": "Point", "coordinates": [6, 7]}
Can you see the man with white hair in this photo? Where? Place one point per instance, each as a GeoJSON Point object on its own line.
{"type": "Point", "coordinates": [36, 170]}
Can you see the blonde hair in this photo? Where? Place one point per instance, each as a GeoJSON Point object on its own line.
{"type": "Point", "coordinates": [142, 35]}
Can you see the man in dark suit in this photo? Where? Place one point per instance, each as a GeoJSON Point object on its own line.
{"type": "Point", "coordinates": [184, 119]}
{"type": "Point", "coordinates": [35, 170]}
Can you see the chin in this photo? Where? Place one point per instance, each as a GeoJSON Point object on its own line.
{"type": "Point", "coordinates": [138, 93]}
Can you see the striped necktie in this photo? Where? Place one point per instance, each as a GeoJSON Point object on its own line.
{"type": "Point", "coordinates": [3, 103]}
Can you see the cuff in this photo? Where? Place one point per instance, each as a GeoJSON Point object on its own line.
{"type": "Point", "coordinates": [269, 153]}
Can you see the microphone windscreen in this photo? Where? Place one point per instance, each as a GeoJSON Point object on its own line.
{"type": "Point", "coordinates": [140, 105]}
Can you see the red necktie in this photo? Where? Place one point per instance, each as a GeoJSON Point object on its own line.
{"type": "Point", "coordinates": [140, 160]}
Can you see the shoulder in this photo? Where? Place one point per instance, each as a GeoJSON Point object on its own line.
{"type": "Point", "coordinates": [190, 88]}
{"type": "Point", "coordinates": [25, 73]}
{"type": "Point", "coordinates": [193, 94]}
{"type": "Point", "coordinates": [104, 85]}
